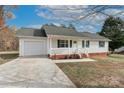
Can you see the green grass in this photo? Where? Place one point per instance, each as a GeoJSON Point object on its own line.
{"type": "Point", "coordinates": [7, 57]}
{"type": "Point", "coordinates": [106, 72]}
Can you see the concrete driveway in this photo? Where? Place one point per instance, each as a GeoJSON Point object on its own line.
{"type": "Point", "coordinates": [33, 72]}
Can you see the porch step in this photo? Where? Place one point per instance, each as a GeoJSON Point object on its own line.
{"type": "Point", "coordinates": [74, 60]}
{"type": "Point", "coordinates": [80, 56]}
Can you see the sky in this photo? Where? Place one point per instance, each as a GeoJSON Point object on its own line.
{"type": "Point", "coordinates": [34, 16]}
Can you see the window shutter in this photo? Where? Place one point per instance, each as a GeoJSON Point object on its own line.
{"type": "Point", "coordinates": [58, 43]}
{"type": "Point", "coordinates": [82, 43]}
{"type": "Point", "coordinates": [70, 43]}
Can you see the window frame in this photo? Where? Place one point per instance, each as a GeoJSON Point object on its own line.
{"type": "Point", "coordinates": [102, 46]}
{"type": "Point", "coordinates": [62, 43]}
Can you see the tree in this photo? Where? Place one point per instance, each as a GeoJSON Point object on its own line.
{"type": "Point", "coordinates": [5, 13]}
{"type": "Point", "coordinates": [71, 26]}
{"type": "Point", "coordinates": [113, 29]}
{"type": "Point", "coordinates": [62, 25]}
{"type": "Point", "coordinates": [8, 39]}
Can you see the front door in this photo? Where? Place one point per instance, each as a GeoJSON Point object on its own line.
{"type": "Point", "coordinates": [75, 44]}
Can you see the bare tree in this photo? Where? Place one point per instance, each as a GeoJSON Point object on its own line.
{"type": "Point", "coordinates": [5, 14]}
{"type": "Point", "coordinates": [91, 11]}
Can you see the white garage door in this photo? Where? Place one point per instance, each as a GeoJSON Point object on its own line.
{"type": "Point", "coordinates": [34, 48]}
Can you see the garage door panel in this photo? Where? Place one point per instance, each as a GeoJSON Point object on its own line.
{"type": "Point", "coordinates": [34, 48]}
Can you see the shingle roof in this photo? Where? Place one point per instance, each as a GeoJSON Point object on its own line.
{"type": "Point", "coordinates": [30, 32]}
{"type": "Point", "coordinates": [92, 35]}
{"type": "Point", "coordinates": [57, 30]}
{"type": "Point", "coordinates": [54, 30]}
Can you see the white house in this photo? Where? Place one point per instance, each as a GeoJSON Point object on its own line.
{"type": "Point", "coordinates": [58, 42]}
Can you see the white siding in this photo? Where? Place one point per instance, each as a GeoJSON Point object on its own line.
{"type": "Point", "coordinates": [51, 48]}
{"type": "Point", "coordinates": [54, 43]}
{"type": "Point", "coordinates": [94, 47]}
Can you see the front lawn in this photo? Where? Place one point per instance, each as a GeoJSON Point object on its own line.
{"type": "Point", "coordinates": [7, 57]}
{"type": "Point", "coordinates": [106, 72]}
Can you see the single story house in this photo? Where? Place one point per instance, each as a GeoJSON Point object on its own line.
{"type": "Point", "coordinates": [58, 42]}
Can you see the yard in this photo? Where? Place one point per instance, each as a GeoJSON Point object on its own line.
{"type": "Point", "coordinates": [105, 72]}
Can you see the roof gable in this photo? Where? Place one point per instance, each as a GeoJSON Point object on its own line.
{"type": "Point", "coordinates": [58, 30]}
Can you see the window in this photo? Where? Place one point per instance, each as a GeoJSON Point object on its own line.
{"type": "Point", "coordinates": [82, 43]}
{"type": "Point", "coordinates": [101, 43]}
{"type": "Point", "coordinates": [87, 44]}
{"type": "Point", "coordinates": [70, 43]}
{"type": "Point", "coordinates": [62, 43]}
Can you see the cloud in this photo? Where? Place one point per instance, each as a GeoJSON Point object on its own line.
{"type": "Point", "coordinates": [34, 26]}
{"type": "Point", "coordinates": [70, 13]}
{"type": "Point", "coordinates": [58, 12]}
{"type": "Point", "coordinates": [75, 13]}
{"type": "Point", "coordinates": [113, 11]}
{"type": "Point", "coordinates": [65, 7]}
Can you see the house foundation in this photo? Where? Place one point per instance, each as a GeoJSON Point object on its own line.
{"type": "Point", "coordinates": [90, 55]}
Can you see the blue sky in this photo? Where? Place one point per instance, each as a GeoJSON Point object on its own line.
{"type": "Point", "coordinates": [26, 16]}
{"type": "Point", "coordinates": [35, 16]}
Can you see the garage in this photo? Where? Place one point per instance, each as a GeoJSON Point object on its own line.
{"type": "Point", "coordinates": [33, 47]}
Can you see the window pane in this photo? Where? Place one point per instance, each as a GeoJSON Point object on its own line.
{"type": "Point", "coordinates": [101, 43]}
{"type": "Point", "coordinates": [66, 45]}
{"type": "Point", "coordinates": [87, 44]}
{"type": "Point", "coordinates": [62, 43]}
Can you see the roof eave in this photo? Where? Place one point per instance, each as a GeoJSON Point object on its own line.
{"type": "Point", "coordinates": [20, 36]}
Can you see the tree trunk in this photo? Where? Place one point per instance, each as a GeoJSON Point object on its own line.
{"type": "Point", "coordinates": [1, 16]}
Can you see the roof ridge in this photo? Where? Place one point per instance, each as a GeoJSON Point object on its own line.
{"type": "Point", "coordinates": [59, 27]}
{"type": "Point", "coordinates": [30, 28]}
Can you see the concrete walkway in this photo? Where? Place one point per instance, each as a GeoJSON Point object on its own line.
{"type": "Point", "coordinates": [33, 72]}
{"type": "Point", "coordinates": [74, 60]}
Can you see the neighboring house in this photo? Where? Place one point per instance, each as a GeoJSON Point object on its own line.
{"type": "Point", "coordinates": [58, 42]}
{"type": "Point", "coordinates": [120, 50]}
